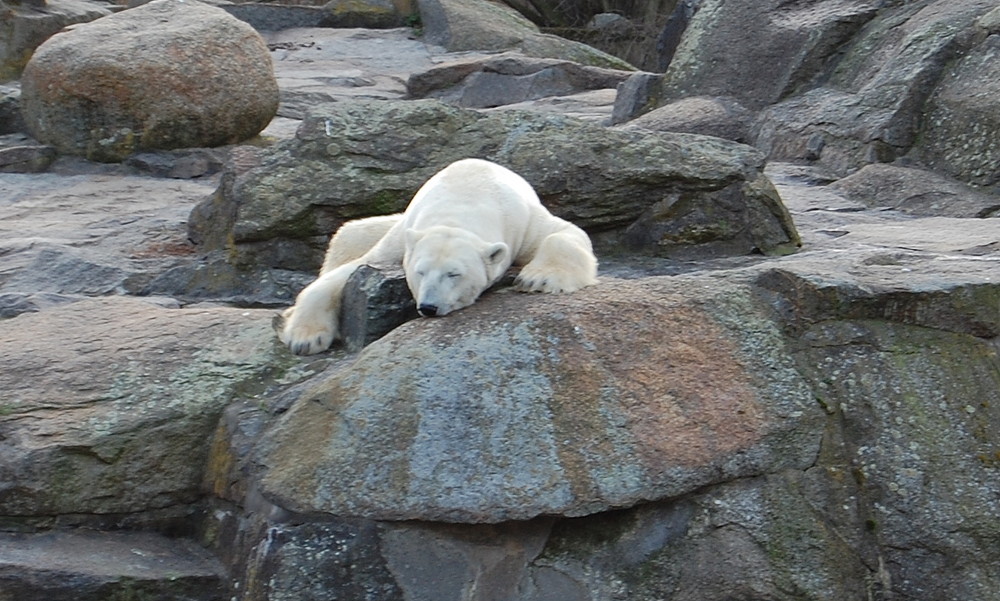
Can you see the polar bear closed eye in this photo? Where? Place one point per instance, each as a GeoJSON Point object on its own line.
{"type": "Point", "coordinates": [463, 229]}
{"type": "Point", "coordinates": [447, 268]}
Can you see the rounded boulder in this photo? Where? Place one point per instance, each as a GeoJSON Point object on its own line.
{"type": "Point", "coordinates": [168, 74]}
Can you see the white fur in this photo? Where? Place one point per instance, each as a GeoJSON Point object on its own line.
{"type": "Point", "coordinates": [459, 234]}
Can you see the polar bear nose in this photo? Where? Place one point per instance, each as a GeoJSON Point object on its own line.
{"type": "Point", "coordinates": [428, 310]}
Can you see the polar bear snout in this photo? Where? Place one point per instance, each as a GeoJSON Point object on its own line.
{"type": "Point", "coordinates": [427, 310]}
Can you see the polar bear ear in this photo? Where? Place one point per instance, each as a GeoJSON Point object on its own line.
{"type": "Point", "coordinates": [494, 254]}
{"type": "Point", "coordinates": [412, 237]}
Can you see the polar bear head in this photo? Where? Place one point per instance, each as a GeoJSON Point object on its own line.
{"type": "Point", "coordinates": [448, 268]}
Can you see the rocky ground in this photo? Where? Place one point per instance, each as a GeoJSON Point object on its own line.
{"type": "Point", "coordinates": [110, 376]}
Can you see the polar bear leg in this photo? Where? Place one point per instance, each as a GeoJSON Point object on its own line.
{"type": "Point", "coordinates": [355, 238]}
{"type": "Point", "coordinates": [564, 262]}
{"type": "Point", "coordinates": [311, 325]}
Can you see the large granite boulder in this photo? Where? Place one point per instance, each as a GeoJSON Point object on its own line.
{"type": "Point", "coordinates": [659, 193]}
{"type": "Point", "coordinates": [642, 392]}
{"type": "Point", "coordinates": [568, 406]}
{"type": "Point", "coordinates": [168, 74]}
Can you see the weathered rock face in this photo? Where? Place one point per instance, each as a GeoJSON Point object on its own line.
{"type": "Point", "coordinates": [760, 52]}
{"type": "Point", "coordinates": [509, 79]}
{"type": "Point", "coordinates": [569, 409]}
{"type": "Point", "coordinates": [871, 108]}
{"type": "Point", "coordinates": [461, 25]}
{"type": "Point", "coordinates": [95, 566]}
{"type": "Point", "coordinates": [665, 193]}
{"type": "Point", "coordinates": [959, 129]}
{"type": "Point", "coordinates": [916, 192]}
{"type": "Point", "coordinates": [160, 76]}
{"type": "Point", "coordinates": [99, 395]}
{"type": "Point", "coordinates": [23, 28]}
{"type": "Point", "coordinates": [754, 368]}
{"type": "Point", "coordinates": [712, 116]}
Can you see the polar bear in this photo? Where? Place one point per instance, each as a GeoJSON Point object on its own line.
{"type": "Point", "coordinates": [462, 230]}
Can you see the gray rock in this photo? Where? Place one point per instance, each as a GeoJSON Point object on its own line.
{"type": "Point", "coordinates": [96, 234]}
{"type": "Point", "coordinates": [870, 111]}
{"type": "Point", "coordinates": [508, 79]}
{"type": "Point", "coordinates": [370, 14]}
{"type": "Point", "coordinates": [206, 80]}
{"type": "Point", "coordinates": [721, 117]}
{"type": "Point", "coordinates": [960, 125]}
{"type": "Point", "coordinates": [10, 111]}
{"type": "Point", "coordinates": [359, 159]}
{"type": "Point", "coordinates": [267, 17]}
{"type": "Point", "coordinates": [637, 95]}
{"type": "Point", "coordinates": [28, 158]}
{"type": "Point", "coordinates": [760, 52]}
{"type": "Point", "coordinates": [97, 566]}
{"type": "Point", "coordinates": [461, 25]}
{"type": "Point", "coordinates": [916, 192]}
{"type": "Point", "coordinates": [23, 27]}
{"type": "Point", "coordinates": [109, 404]}
{"type": "Point", "coordinates": [376, 301]}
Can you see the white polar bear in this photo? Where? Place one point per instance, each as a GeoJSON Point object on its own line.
{"type": "Point", "coordinates": [462, 230]}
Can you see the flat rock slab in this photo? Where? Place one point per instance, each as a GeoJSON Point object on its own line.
{"type": "Point", "coordinates": [90, 234]}
{"type": "Point", "coordinates": [107, 405]}
{"type": "Point", "coordinates": [93, 566]}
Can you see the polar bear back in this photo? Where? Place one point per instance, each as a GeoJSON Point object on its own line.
{"type": "Point", "coordinates": [481, 197]}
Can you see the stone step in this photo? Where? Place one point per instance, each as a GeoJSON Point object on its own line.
{"type": "Point", "coordinates": [96, 566]}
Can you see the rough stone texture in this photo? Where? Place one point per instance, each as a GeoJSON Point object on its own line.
{"type": "Point", "coordinates": [376, 301]}
{"type": "Point", "coordinates": [23, 27]}
{"type": "Point", "coordinates": [461, 25]}
{"type": "Point", "coordinates": [359, 159]}
{"type": "Point", "coordinates": [28, 157]}
{"type": "Point", "coordinates": [90, 235]}
{"type": "Point", "coordinates": [314, 66]}
{"type": "Point", "coordinates": [372, 14]}
{"type": "Point", "coordinates": [108, 404]}
{"type": "Point", "coordinates": [870, 110]}
{"type": "Point", "coordinates": [127, 82]}
{"type": "Point", "coordinates": [759, 52]}
{"type": "Point", "coordinates": [638, 94]}
{"type": "Point", "coordinates": [721, 117]}
{"type": "Point", "coordinates": [267, 17]}
{"type": "Point", "coordinates": [916, 192]}
{"type": "Point", "coordinates": [508, 79]}
{"type": "Point", "coordinates": [889, 321]}
{"type": "Point", "coordinates": [10, 110]}
{"type": "Point", "coordinates": [959, 133]}
{"type": "Point", "coordinates": [92, 566]}
{"type": "Point", "coordinates": [907, 442]}
{"type": "Point", "coordinates": [619, 413]}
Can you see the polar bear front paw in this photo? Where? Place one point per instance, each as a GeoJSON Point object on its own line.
{"type": "Point", "coordinates": [307, 334]}
{"type": "Point", "coordinates": [552, 281]}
